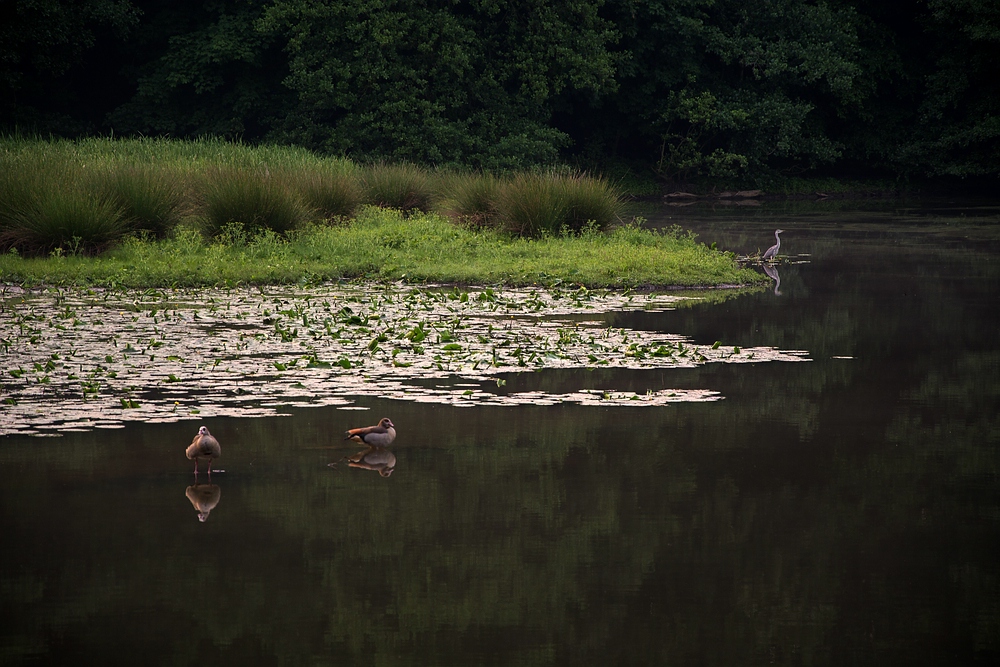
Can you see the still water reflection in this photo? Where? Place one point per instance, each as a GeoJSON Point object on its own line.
{"type": "Point", "coordinates": [204, 498]}
{"type": "Point", "coordinates": [844, 511]}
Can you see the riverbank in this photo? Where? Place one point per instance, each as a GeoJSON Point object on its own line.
{"type": "Point", "coordinates": [161, 213]}
{"type": "Point", "coordinates": [387, 245]}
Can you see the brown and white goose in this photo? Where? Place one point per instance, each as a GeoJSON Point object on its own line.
{"type": "Point", "coordinates": [380, 435]}
{"type": "Point", "coordinates": [204, 446]}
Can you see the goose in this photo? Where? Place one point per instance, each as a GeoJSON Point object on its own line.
{"type": "Point", "coordinates": [380, 435]}
{"type": "Point", "coordinates": [204, 446]}
{"type": "Point", "coordinates": [772, 252]}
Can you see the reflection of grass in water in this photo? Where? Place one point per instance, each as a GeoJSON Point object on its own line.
{"type": "Point", "coordinates": [388, 246]}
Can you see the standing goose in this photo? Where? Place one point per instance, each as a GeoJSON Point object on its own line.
{"type": "Point", "coordinates": [380, 435]}
{"type": "Point", "coordinates": [772, 252]}
{"type": "Point", "coordinates": [204, 446]}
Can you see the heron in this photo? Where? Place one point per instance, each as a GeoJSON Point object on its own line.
{"type": "Point", "coordinates": [772, 252]}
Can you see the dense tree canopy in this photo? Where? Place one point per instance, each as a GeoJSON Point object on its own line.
{"type": "Point", "coordinates": [716, 88]}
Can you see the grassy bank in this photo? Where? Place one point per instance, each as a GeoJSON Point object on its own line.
{"type": "Point", "coordinates": [161, 212]}
{"type": "Point", "coordinates": [388, 245]}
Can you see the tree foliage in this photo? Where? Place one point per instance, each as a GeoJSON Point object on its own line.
{"type": "Point", "coordinates": [438, 81]}
{"type": "Point", "coordinates": [692, 88]}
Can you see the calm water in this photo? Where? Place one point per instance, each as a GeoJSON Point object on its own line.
{"type": "Point", "coordinates": [840, 511]}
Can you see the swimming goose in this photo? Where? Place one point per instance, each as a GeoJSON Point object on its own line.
{"type": "Point", "coordinates": [379, 436]}
{"type": "Point", "coordinates": [204, 446]}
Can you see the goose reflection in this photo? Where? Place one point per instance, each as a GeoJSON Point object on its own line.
{"type": "Point", "coordinates": [204, 498]}
{"type": "Point", "coordinates": [772, 273]}
{"type": "Point", "coordinates": [379, 459]}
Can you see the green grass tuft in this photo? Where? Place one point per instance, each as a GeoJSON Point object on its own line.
{"type": "Point", "coordinates": [472, 200]}
{"type": "Point", "coordinates": [45, 206]}
{"type": "Point", "coordinates": [401, 186]}
{"type": "Point", "coordinates": [150, 199]}
{"type": "Point", "coordinates": [331, 193]}
{"type": "Point", "coordinates": [259, 200]}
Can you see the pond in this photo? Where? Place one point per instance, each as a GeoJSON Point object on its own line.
{"type": "Point", "coordinates": [579, 478]}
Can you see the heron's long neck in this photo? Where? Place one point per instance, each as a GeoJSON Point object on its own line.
{"type": "Point", "coordinates": [778, 239]}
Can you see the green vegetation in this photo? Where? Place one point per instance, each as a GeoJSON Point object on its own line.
{"type": "Point", "coordinates": [385, 244]}
{"type": "Point", "coordinates": [162, 212]}
{"type": "Point", "coordinates": [741, 92]}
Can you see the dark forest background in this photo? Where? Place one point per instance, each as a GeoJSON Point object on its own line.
{"type": "Point", "coordinates": [710, 89]}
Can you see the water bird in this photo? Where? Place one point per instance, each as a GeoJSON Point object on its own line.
{"type": "Point", "coordinates": [772, 252]}
{"type": "Point", "coordinates": [204, 498]}
{"type": "Point", "coordinates": [204, 446]}
{"type": "Point", "coordinates": [380, 435]}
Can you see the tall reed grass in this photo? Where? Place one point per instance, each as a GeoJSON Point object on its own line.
{"type": "Point", "coordinates": [331, 191]}
{"type": "Point", "coordinates": [48, 205]}
{"type": "Point", "coordinates": [536, 204]}
{"type": "Point", "coordinates": [258, 200]}
{"type": "Point", "coordinates": [151, 200]}
{"type": "Point", "coordinates": [401, 186]}
{"type": "Point", "coordinates": [89, 194]}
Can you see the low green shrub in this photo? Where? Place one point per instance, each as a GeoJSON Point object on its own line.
{"type": "Point", "coordinates": [538, 204]}
{"type": "Point", "coordinates": [68, 220]}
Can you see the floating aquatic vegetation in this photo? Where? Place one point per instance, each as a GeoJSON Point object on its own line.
{"type": "Point", "coordinates": [88, 359]}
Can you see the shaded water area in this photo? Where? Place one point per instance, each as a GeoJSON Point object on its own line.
{"type": "Point", "coordinates": [832, 500]}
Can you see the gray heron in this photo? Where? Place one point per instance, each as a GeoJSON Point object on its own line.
{"type": "Point", "coordinates": [772, 252]}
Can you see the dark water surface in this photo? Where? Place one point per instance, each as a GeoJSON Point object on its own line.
{"type": "Point", "coordinates": [840, 511]}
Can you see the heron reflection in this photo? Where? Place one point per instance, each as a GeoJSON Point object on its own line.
{"type": "Point", "coordinates": [204, 498]}
{"type": "Point", "coordinates": [772, 273]}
